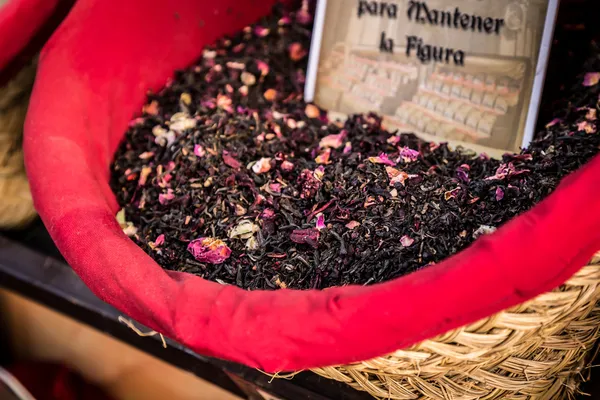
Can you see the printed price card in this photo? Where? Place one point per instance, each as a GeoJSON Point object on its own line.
{"type": "Point", "coordinates": [467, 72]}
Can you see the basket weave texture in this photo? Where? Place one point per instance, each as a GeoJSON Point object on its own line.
{"type": "Point", "coordinates": [538, 350]}
{"type": "Point", "coordinates": [16, 204]}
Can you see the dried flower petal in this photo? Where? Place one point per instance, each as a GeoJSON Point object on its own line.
{"type": "Point", "coordinates": [209, 250]}
{"type": "Point", "coordinates": [164, 198]}
{"type": "Point", "coordinates": [450, 194]}
{"type": "Point", "coordinates": [312, 111]}
{"type": "Point", "coordinates": [406, 241]}
{"type": "Point", "coordinates": [591, 114]}
{"type": "Point", "coordinates": [553, 122]}
{"type": "Point", "coordinates": [261, 31]}
{"type": "Point", "coordinates": [229, 160]}
{"type": "Point", "coordinates": [407, 154]}
{"type": "Point", "coordinates": [323, 158]}
{"type": "Point", "coordinates": [267, 213]}
{"type": "Point", "coordinates": [151, 109]}
{"type": "Point", "coordinates": [462, 173]}
{"type": "Point", "coordinates": [261, 166]}
{"type": "Point", "coordinates": [146, 155]}
{"type": "Point", "coordinates": [347, 148]}
{"type": "Point", "coordinates": [244, 230]}
{"type": "Point", "coordinates": [199, 150]}
{"type": "Point", "coordinates": [320, 225]}
{"type": "Point", "coordinates": [144, 175]}
{"type": "Point", "coordinates": [223, 101]}
{"type": "Point", "coordinates": [382, 159]}
{"type": "Point", "coordinates": [395, 175]}
{"type": "Point", "coordinates": [296, 51]}
{"type": "Point", "coordinates": [483, 230]}
{"type": "Point", "coordinates": [319, 172]}
{"type": "Point", "coordinates": [159, 240]}
{"type": "Point", "coordinates": [591, 78]}
{"type": "Point", "coordinates": [247, 78]}
{"type": "Point", "coordinates": [287, 166]}
{"type": "Point", "coordinates": [334, 141]}
{"type": "Point", "coordinates": [499, 193]}
{"type": "Point", "coordinates": [305, 236]}
{"type": "Point", "coordinates": [352, 224]}
{"type": "Point", "coordinates": [270, 94]}
{"type": "Point", "coordinates": [586, 126]}
{"type": "Point", "coordinates": [181, 122]}
{"type": "Point", "coordinates": [394, 140]}
{"type": "Point", "coordinates": [130, 230]}
{"type": "Point", "coordinates": [263, 67]}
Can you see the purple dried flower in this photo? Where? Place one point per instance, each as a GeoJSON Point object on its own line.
{"type": "Point", "coordinates": [209, 250]}
{"type": "Point", "coordinates": [407, 154]}
{"type": "Point", "coordinates": [499, 193]}
{"type": "Point", "coordinates": [462, 174]}
{"type": "Point", "coordinates": [165, 198]}
{"type": "Point", "coordinates": [305, 236]}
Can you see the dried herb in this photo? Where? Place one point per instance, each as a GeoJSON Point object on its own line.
{"type": "Point", "coordinates": [230, 175]}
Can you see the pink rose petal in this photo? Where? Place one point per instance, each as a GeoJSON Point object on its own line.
{"type": "Point", "coordinates": [199, 150]}
{"type": "Point", "coordinates": [334, 141]}
{"type": "Point", "coordinates": [323, 158]}
{"type": "Point", "coordinates": [209, 250]}
{"type": "Point", "coordinates": [296, 51]}
{"type": "Point", "coordinates": [393, 140]}
{"type": "Point", "coordinates": [263, 67]}
{"type": "Point", "coordinates": [320, 225]}
{"type": "Point", "coordinates": [407, 154]}
{"type": "Point", "coordinates": [382, 159]}
{"type": "Point", "coordinates": [586, 126]}
{"type": "Point", "coordinates": [406, 241]}
{"type": "Point", "coordinates": [261, 31]}
{"type": "Point", "coordinates": [395, 175]}
{"type": "Point", "coordinates": [347, 148]}
{"type": "Point", "coordinates": [591, 78]}
{"type": "Point", "coordinates": [553, 122]}
{"type": "Point", "coordinates": [159, 240]}
{"type": "Point", "coordinates": [499, 193]}
{"type": "Point", "coordinates": [165, 198]}
{"type": "Point", "coordinates": [287, 166]}
{"type": "Point", "coordinates": [352, 224]}
{"type": "Point", "coordinates": [262, 166]}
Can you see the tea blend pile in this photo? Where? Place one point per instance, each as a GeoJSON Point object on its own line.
{"type": "Point", "coordinates": [231, 176]}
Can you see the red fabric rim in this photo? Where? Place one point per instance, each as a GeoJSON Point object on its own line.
{"type": "Point", "coordinates": [92, 77]}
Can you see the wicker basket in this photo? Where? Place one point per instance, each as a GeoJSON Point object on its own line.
{"type": "Point", "coordinates": [538, 350]}
{"type": "Point", "coordinates": [16, 204]}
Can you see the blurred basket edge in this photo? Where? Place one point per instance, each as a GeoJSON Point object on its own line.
{"type": "Point", "coordinates": [16, 204]}
{"type": "Point", "coordinates": [538, 350]}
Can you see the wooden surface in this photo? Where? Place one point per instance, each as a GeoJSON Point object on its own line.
{"type": "Point", "coordinates": [36, 332]}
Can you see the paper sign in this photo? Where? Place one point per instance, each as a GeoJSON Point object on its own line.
{"type": "Point", "coordinates": [467, 72]}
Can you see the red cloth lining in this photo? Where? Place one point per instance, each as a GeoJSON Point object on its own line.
{"type": "Point", "coordinates": [92, 79]}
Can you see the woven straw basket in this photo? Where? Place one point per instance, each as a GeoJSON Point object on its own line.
{"type": "Point", "coordinates": [16, 204]}
{"type": "Point", "coordinates": [538, 350]}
